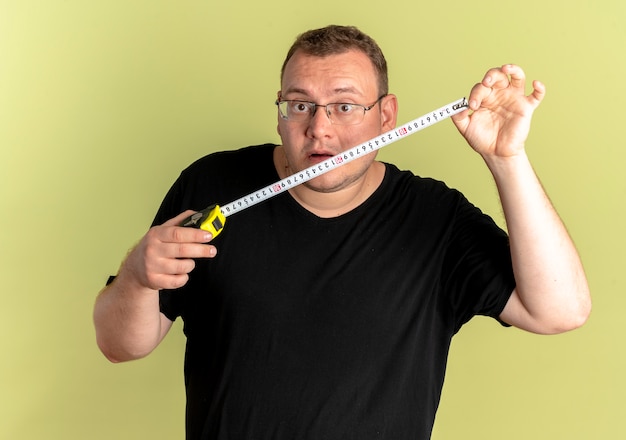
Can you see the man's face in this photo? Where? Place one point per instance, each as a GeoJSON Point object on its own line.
{"type": "Point", "coordinates": [349, 77]}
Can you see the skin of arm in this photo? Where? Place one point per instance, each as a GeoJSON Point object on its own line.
{"type": "Point", "coordinates": [552, 293]}
{"type": "Point", "coordinates": [127, 318]}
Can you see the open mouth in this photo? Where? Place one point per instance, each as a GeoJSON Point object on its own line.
{"type": "Point", "coordinates": [319, 157]}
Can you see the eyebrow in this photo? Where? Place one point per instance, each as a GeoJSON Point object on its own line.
{"type": "Point", "coordinates": [339, 90]}
{"type": "Point", "coordinates": [348, 90]}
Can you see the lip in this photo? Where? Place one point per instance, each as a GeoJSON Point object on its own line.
{"type": "Point", "coordinates": [319, 153]}
{"type": "Point", "coordinates": [317, 157]}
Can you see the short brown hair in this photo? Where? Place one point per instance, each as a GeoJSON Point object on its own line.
{"type": "Point", "coordinates": [332, 40]}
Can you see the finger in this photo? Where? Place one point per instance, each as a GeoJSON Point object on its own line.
{"type": "Point", "coordinates": [495, 78]}
{"type": "Point", "coordinates": [516, 75]}
{"type": "Point", "coordinates": [188, 250]}
{"type": "Point", "coordinates": [181, 234]}
{"type": "Point", "coordinates": [172, 232]}
{"type": "Point", "coordinates": [175, 281]}
{"type": "Point", "coordinates": [162, 281]}
{"type": "Point", "coordinates": [538, 93]}
{"type": "Point", "coordinates": [170, 266]}
{"type": "Point", "coordinates": [178, 251]}
{"type": "Point", "coordinates": [477, 95]}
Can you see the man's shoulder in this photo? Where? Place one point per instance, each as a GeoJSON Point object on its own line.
{"type": "Point", "coordinates": [227, 175]}
{"type": "Point", "coordinates": [242, 158]}
{"type": "Point", "coordinates": [411, 181]}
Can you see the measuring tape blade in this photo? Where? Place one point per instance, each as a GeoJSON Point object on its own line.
{"type": "Point", "coordinates": [213, 218]}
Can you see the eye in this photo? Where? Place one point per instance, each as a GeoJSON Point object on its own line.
{"type": "Point", "coordinates": [299, 107]}
{"type": "Point", "coordinates": [344, 108]}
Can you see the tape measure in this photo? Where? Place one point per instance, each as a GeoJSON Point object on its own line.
{"type": "Point", "coordinates": [213, 218]}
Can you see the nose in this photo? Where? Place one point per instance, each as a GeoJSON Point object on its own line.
{"type": "Point", "coordinates": [319, 124]}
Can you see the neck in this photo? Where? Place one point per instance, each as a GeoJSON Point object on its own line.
{"type": "Point", "coordinates": [335, 202]}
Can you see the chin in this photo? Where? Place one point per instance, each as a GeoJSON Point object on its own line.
{"type": "Point", "coordinates": [323, 184]}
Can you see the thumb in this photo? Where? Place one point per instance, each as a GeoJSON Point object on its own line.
{"type": "Point", "coordinates": [539, 91]}
{"type": "Point", "coordinates": [461, 121]}
{"type": "Point", "coordinates": [179, 218]}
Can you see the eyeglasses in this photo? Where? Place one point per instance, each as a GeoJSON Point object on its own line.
{"type": "Point", "coordinates": [339, 113]}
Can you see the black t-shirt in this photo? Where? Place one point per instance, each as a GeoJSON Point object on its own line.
{"type": "Point", "coordinates": [311, 328]}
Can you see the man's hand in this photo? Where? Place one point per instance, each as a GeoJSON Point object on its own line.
{"type": "Point", "coordinates": [127, 316]}
{"type": "Point", "coordinates": [498, 120]}
{"type": "Point", "coordinates": [164, 256]}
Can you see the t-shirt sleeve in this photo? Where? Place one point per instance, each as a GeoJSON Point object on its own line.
{"type": "Point", "coordinates": [478, 275]}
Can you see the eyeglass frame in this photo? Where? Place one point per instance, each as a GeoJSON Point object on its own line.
{"type": "Point", "coordinates": [315, 105]}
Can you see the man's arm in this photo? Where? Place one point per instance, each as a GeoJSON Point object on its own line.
{"type": "Point", "coordinates": [128, 321]}
{"type": "Point", "coordinates": [552, 294]}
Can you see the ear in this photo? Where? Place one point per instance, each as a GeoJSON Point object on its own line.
{"type": "Point", "coordinates": [278, 125]}
{"type": "Point", "coordinates": [388, 112]}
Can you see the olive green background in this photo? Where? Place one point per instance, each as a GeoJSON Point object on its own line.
{"type": "Point", "coordinates": [103, 103]}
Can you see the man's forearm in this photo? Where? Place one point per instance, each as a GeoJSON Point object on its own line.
{"type": "Point", "coordinates": [128, 322]}
{"type": "Point", "coordinates": [551, 283]}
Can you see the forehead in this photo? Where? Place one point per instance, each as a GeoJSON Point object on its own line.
{"type": "Point", "coordinates": [350, 72]}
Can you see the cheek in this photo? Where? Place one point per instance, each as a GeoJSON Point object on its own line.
{"type": "Point", "coordinates": [353, 136]}
{"type": "Point", "coordinates": [288, 132]}
{"type": "Point", "coordinates": [283, 129]}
